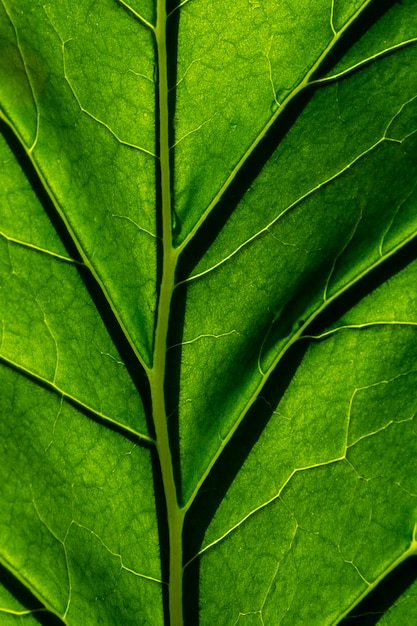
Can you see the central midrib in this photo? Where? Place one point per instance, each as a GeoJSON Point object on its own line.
{"type": "Point", "coordinates": [175, 515]}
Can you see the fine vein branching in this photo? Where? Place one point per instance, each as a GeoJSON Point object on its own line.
{"type": "Point", "coordinates": [117, 555]}
{"type": "Point", "coordinates": [155, 367]}
{"type": "Point", "coordinates": [94, 117]}
{"type": "Point", "coordinates": [264, 504]}
{"type": "Point", "coordinates": [367, 325]}
{"type": "Point", "coordinates": [170, 257]}
{"type": "Point", "coordinates": [411, 551]}
{"type": "Point", "coordinates": [15, 573]}
{"type": "Point", "coordinates": [137, 15]}
{"type": "Point", "coordinates": [289, 208]}
{"type": "Point", "coordinates": [82, 406]}
{"type": "Point", "coordinates": [32, 246]}
{"type": "Point", "coordinates": [292, 340]}
{"type": "Point", "coordinates": [363, 63]}
{"type": "Point", "coordinates": [27, 74]}
{"type": "Point", "coordinates": [307, 81]}
{"type": "Point", "coordinates": [84, 259]}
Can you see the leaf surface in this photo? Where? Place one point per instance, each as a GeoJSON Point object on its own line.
{"type": "Point", "coordinates": [209, 324]}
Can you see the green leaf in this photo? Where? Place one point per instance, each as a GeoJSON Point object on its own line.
{"type": "Point", "coordinates": [208, 340]}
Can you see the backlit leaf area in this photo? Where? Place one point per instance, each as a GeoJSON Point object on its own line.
{"type": "Point", "coordinates": [208, 312]}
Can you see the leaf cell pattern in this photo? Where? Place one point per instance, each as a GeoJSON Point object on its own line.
{"type": "Point", "coordinates": [208, 315]}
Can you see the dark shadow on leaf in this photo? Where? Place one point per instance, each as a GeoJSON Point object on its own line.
{"type": "Point", "coordinates": [368, 283]}
{"type": "Point", "coordinates": [95, 417]}
{"type": "Point", "coordinates": [172, 380]}
{"type": "Point", "coordinates": [125, 350]}
{"type": "Point", "coordinates": [172, 38]}
{"type": "Point", "coordinates": [27, 599]}
{"type": "Point", "coordinates": [104, 310]}
{"type": "Point", "coordinates": [172, 44]}
{"type": "Point", "coordinates": [229, 463]}
{"type": "Point", "coordinates": [247, 174]}
{"type": "Point", "coordinates": [222, 475]}
{"type": "Point", "coordinates": [373, 13]}
{"type": "Point", "coordinates": [161, 513]}
{"type": "Point", "coordinates": [371, 610]}
{"type": "Point", "coordinates": [250, 170]}
{"type": "Point", "coordinates": [225, 470]}
{"type": "Point", "coordinates": [196, 250]}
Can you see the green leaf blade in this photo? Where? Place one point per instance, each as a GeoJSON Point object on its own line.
{"type": "Point", "coordinates": [208, 330]}
{"type": "Point", "coordinates": [78, 114]}
{"type": "Point", "coordinates": [283, 255]}
{"type": "Point", "coordinates": [72, 490]}
{"type": "Point", "coordinates": [341, 495]}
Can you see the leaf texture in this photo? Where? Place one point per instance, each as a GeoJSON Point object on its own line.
{"type": "Point", "coordinates": [208, 343]}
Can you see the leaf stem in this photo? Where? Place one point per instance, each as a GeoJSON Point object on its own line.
{"type": "Point", "coordinates": [157, 373]}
